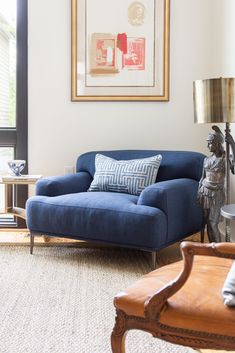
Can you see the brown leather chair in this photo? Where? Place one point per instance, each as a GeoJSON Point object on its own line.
{"type": "Point", "coordinates": [181, 302]}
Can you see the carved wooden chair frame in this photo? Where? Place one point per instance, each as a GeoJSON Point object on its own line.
{"type": "Point", "coordinates": [150, 323]}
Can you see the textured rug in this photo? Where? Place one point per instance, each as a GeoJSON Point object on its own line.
{"type": "Point", "coordinates": [60, 300]}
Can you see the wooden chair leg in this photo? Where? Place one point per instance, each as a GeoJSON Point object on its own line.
{"type": "Point", "coordinates": [119, 333]}
{"type": "Point", "coordinates": [202, 234]}
{"type": "Point", "coordinates": [118, 343]}
{"type": "Point", "coordinates": [31, 243]}
{"type": "Point", "coordinates": [154, 260]}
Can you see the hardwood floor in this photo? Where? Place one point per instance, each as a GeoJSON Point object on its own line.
{"type": "Point", "coordinates": [21, 237]}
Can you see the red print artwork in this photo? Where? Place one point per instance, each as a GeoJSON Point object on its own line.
{"type": "Point", "coordinates": [105, 52]}
{"type": "Point", "coordinates": [122, 42]}
{"type": "Point", "coordinates": [134, 59]}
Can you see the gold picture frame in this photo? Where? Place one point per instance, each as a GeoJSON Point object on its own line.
{"type": "Point", "coordinates": [120, 50]}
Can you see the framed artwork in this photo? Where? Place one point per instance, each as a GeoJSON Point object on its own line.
{"type": "Point", "coordinates": [120, 50]}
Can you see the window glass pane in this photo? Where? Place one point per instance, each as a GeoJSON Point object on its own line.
{"type": "Point", "coordinates": [8, 63]}
{"type": "Point", "coordinates": [6, 153]}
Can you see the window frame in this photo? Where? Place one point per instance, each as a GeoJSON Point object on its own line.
{"type": "Point", "coordinates": [17, 137]}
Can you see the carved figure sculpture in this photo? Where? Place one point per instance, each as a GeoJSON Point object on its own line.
{"type": "Point", "coordinates": [211, 190]}
{"type": "Point", "coordinates": [229, 139]}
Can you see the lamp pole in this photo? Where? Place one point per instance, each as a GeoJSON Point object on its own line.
{"type": "Point", "coordinates": [227, 221]}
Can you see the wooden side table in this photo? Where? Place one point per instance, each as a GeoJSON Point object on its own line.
{"type": "Point", "coordinates": [11, 183]}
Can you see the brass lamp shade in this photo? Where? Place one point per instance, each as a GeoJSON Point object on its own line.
{"type": "Point", "coordinates": [214, 100]}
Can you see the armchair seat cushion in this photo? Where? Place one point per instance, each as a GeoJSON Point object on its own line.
{"type": "Point", "coordinates": [187, 309]}
{"type": "Point", "coordinates": [99, 216]}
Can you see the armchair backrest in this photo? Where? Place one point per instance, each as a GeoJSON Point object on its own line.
{"type": "Point", "coordinates": [174, 165]}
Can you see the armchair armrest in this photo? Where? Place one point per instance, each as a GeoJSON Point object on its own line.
{"type": "Point", "coordinates": [165, 194]}
{"type": "Point", "coordinates": [177, 198]}
{"type": "Point", "coordinates": [65, 184]}
{"type": "Point", "coordinates": [155, 303]}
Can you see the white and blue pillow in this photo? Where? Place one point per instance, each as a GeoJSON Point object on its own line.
{"type": "Point", "coordinates": [127, 176]}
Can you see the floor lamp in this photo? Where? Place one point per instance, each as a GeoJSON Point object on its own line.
{"type": "Point", "coordinates": [214, 102]}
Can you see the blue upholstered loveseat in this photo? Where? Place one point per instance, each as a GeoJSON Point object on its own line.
{"type": "Point", "coordinates": [163, 213]}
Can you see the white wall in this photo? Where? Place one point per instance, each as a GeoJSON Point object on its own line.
{"type": "Point", "coordinates": [60, 130]}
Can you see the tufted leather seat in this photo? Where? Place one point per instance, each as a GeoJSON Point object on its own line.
{"type": "Point", "coordinates": [187, 310]}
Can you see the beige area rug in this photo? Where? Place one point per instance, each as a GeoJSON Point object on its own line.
{"type": "Point", "coordinates": [60, 300]}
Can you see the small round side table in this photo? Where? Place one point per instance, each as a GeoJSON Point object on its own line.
{"type": "Point", "coordinates": [228, 212]}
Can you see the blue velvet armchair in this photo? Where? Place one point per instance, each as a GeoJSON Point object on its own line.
{"type": "Point", "coordinates": [165, 212]}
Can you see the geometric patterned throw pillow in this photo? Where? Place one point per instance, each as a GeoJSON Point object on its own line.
{"type": "Point", "coordinates": [130, 176]}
